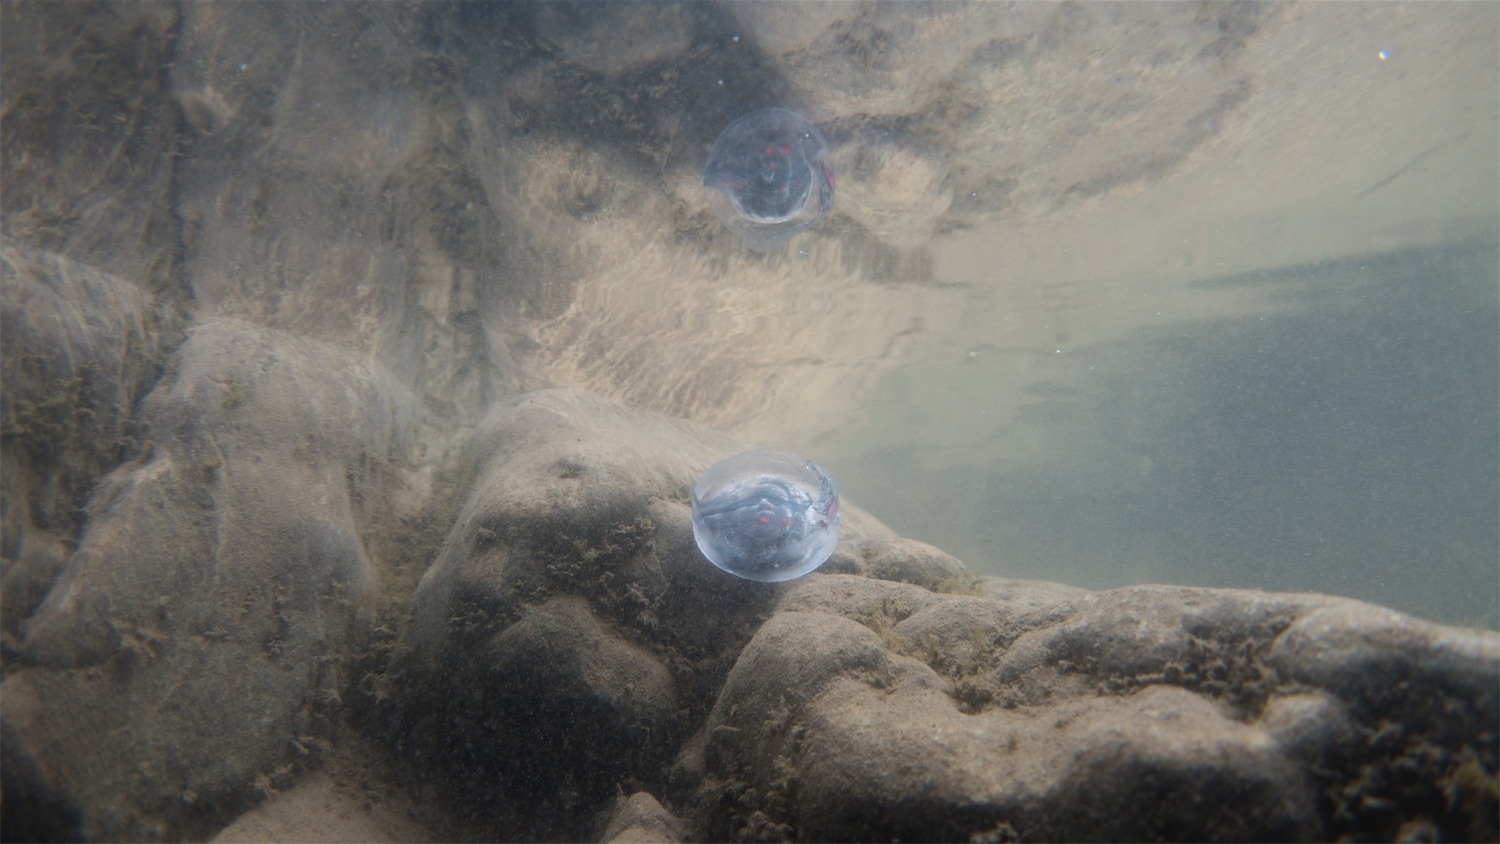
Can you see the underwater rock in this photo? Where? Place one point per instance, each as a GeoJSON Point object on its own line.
{"type": "Point", "coordinates": [570, 641]}
{"type": "Point", "coordinates": [79, 348]}
{"type": "Point", "coordinates": [866, 710]}
{"type": "Point", "coordinates": [349, 806]}
{"type": "Point", "coordinates": [570, 645]}
{"type": "Point", "coordinates": [569, 628]}
{"type": "Point", "coordinates": [181, 658]}
{"type": "Point", "coordinates": [640, 818]}
{"type": "Point", "coordinates": [407, 185]}
{"type": "Point", "coordinates": [89, 129]}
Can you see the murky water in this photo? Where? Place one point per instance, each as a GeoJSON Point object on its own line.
{"type": "Point", "coordinates": [1131, 293]}
{"type": "Point", "coordinates": [1345, 442]}
{"type": "Point", "coordinates": [1108, 294]}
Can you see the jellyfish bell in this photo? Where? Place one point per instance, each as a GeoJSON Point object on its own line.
{"type": "Point", "coordinates": [766, 515]}
{"type": "Point", "coordinates": [768, 177]}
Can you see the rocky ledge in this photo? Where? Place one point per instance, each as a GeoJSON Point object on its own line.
{"type": "Point", "coordinates": [574, 669]}
{"type": "Point", "coordinates": [571, 668]}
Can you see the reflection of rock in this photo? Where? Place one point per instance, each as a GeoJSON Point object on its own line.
{"type": "Point", "coordinates": [619, 37]}
{"type": "Point", "coordinates": [90, 134]}
{"type": "Point", "coordinates": [878, 59]}
{"type": "Point", "coordinates": [895, 192]}
{"type": "Point", "coordinates": [186, 647]}
{"type": "Point", "coordinates": [1034, 107]}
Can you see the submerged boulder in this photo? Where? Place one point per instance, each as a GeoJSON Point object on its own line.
{"type": "Point", "coordinates": [570, 645]}
{"type": "Point", "coordinates": [196, 495]}
{"type": "Point", "coordinates": [175, 668]}
{"type": "Point", "coordinates": [867, 711]}
{"type": "Point", "coordinates": [569, 629]}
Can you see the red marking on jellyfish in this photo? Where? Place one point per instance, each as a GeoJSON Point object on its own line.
{"type": "Point", "coordinates": [769, 149]}
{"type": "Point", "coordinates": [786, 150]}
{"type": "Point", "coordinates": [785, 522]}
{"type": "Point", "coordinates": [765, 520]}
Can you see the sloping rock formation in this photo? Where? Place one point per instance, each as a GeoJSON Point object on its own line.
{"type": "Point", "coordinates": [570, 642]}
{"type": "Point", "coordinates": [274, 281]}
{"type": "Point", "coordinates": [181, 662]}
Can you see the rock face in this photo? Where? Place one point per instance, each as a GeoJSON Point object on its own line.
{"type": "Point", "coordinates": [184, 650]}
{"type": "Point", "coordinates": [81, 348]}
{"type": "Point", "coordinates": [569, 627]}
{"type": "Point", "coordinates": [570, 642]}
{"type": "Point", "coordinates": [285, 296]}
{"type": "Point", "coordinates": [865, 710]}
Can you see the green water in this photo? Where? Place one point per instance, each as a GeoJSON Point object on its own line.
{"type": "Point", "coordinates": [1346, 443]}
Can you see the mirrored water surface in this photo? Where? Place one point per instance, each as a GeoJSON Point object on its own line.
{"type": "Point", "coordinates": [1110, 293]}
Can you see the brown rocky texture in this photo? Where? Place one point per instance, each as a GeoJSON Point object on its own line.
{"type": "Point", "coordinates": [79, 348]}
{"type": "Point", "coordinates": [867, 711]}
{"type": "Point", "coordinates": [199, 497]}
{"type": "Point", "coordinates": [321, 809]}
{"type": "Point", "coordinates": [326, 193]}
{"type": "Point", "coordinates": [354, 796]}
{"type": "Point", "coordinates": [90, 131]}
{"type": "Point", "coordinates": [177, 666]}
{"type": "Point", "coordinates": [89, 304]}
{"type": "Point", "coordinates": [567, 632]}
{"type": "Point", "coordinates": [640, 818]}
{"type": "Point", "coordinates": [569, 642]}
{"type": "Point", "coordinates": [353, 209]}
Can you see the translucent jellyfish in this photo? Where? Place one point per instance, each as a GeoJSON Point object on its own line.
{"type": "Point", "coordinates": [766, 515]}
{"type": "Point", "coordinates": [769, 177]}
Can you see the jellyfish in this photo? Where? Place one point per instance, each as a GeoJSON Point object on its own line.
{"type": "Point", "coordinates": [766, 515]}
{"type": "Point", "coordinates": [768, 177]}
